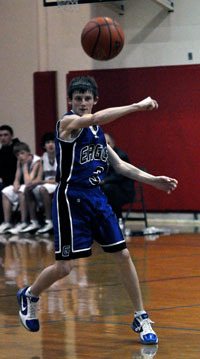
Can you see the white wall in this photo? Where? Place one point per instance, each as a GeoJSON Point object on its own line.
{"type": "Point", "coordinates": [34, 38]}
{"type": "Point", "coordinates": [18, 61]}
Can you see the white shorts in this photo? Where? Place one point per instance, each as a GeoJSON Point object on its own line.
{"type": "Point", "coordinates": [50, 187]}
{"type": "Point", "coordinates": [12, 195]}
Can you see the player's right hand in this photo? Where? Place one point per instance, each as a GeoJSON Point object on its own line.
{"type": "Point", "coordinates": [148, 104]}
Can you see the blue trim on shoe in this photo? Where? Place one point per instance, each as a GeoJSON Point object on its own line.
{"type": "Point", "coordinates": [30, 324]}
{"type": "Point", "coordinates": [149, 338]}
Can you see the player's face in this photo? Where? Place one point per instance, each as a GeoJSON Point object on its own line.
{"type": "Point", "coordinates": [5, 137]}
{"type": "Point", "coordinates": [82, 103]}
{"type": "Point", "coordinates": [23, 156]}
{"type": "Point", "coordinates": [50, 146]}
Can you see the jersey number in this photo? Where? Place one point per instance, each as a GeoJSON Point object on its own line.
{"type": "Point", "coordinates": [95, 179]}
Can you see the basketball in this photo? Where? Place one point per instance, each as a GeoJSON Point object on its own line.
{"type": "Point", "coordinates": [102, 38]}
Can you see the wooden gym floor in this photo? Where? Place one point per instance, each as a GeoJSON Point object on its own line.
{"type": "Point", "coordinates": [88, 314]}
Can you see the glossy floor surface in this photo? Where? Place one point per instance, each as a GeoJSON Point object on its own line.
{"type": "Point", "coordinates": [88, 314]}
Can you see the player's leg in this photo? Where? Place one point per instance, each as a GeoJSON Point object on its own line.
{"type": "Point", "coordinates": [67, 248]}
{"type": "Point", "coordinates": [23, 207]}
{"type": "Point", "coordinates": [141, 323]}
{"type": "Point", "coordinates": [47, 201]}
{"type": "Point", "coordinates": [7, 208]}
{"type": "Point", "coordinates": [30, 203]}
{"type": "Point", "coordinates": [28, 297]}
{"type": "Point", "coordinates": [110, 237]}
{"type": "Point", "coordinates": [50, 275]}
{"type": "Point", "coordinates": [129, 277]}
{"type": "Point", "coordinates": [9, 197]}
{"type": "Point", "coordinates": [46, 192]}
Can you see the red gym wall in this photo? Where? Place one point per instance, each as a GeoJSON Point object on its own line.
{"type": "Point", "coordinates": [45, 104]}
{"type": "Point", "coordinates": [165, 141]}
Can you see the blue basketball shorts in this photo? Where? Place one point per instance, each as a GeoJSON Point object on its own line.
{"type": "Point", "coordinates": [81, 216]}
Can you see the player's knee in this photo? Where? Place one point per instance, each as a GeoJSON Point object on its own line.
{"type": "Point", "coordinates": [63, 268]}
{"type": "Point", "coordinates": [123, 255]}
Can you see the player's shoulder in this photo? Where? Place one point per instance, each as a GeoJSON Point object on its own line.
{"type": "Point", "coordinates": [66, 115]}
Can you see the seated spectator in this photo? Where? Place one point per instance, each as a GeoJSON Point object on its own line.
{"type": "Point", "coordinates": [118, 189]}
{"type": "Point", "coordinates": [28, 173]}
{"type": "Point", "coordinates": [8, 160]}
{"type": "Point", "coordinates": [42, 193]}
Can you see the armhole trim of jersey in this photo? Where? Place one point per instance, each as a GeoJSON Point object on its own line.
{"type": "Point", "coordinates": [67, 140]}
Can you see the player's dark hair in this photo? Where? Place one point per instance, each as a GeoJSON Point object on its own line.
{"type": "Point", "coordinates": [48, 136]}
{"type": "Point", "coordinates": [7, 128]}
{"type": "Point", "coordinates": [21, 146]}
{"type": "Point", "coordinates": [82, 84]}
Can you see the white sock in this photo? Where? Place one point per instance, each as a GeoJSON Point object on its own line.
{"type": "Point", "coordinates": [29, 293]}
{"type": "Point", "coordinates": [34, 221]}
{"type": "Point", "coordinates": [139, 312]}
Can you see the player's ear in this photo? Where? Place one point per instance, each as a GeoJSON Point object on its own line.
{"type": "Point", "coordinates": [69, 100]}
{"type": "Point", "coordinates": [96, 100]}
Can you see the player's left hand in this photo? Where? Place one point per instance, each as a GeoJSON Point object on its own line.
{"type": "Point", "coordinates": [148, 104]}
{"type": "Point", "coordinates": [164, 183]}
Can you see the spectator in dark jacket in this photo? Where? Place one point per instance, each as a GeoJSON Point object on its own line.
{"type": "Point", "coordinates": [8, 160]}
{"type": "Point", "coordinates": [118, 189]}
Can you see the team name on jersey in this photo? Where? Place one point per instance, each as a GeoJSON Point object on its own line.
{"type": "Point", "coordinates": [93, 152]}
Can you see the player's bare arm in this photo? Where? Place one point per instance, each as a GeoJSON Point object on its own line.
{"type": "Point", "coordinates": [73, 122]}
{"type": "Point", "coordinates": [16, 183]}
{"type": "Point", "coordinates": [113, 113]}
{"type": "Point", "coordinates": [163, 183]}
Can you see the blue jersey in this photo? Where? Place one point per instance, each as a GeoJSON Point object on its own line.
{"type": "Point", "coordinates": [82, 161]}
{"type": "Point", "coordinates": [80, 210]}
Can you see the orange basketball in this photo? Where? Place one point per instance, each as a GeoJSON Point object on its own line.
{"type": "Point", "coordinates": [102, 38]}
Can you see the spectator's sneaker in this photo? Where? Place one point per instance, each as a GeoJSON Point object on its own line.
{"type": "Point", "coordinates": [46, 228]}
{"type": "Point", "coordinates": [142, 325]}
{"type": "Point", "coordinates": [27, 312]}
{"type": "Point", "coordinates": [17, 228]}
{"type": "Point", "coordinates": [4, 227]}
{"type": "Point", "coordinates": [32, 227]}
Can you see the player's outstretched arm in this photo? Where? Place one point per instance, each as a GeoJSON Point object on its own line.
{"type": "Point", "coordinates": [163, 183]}
{"type": "Point", "coordinates": [75, 122]}
{"type": "Point", "coordinates": [113, 113]}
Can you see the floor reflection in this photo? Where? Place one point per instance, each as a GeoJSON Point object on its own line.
{"type": "Point", "coordinates": [88, 314]}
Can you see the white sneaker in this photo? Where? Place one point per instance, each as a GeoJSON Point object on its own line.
{"type": "Point", "coordinates": [28, 310]}
{"type": "Point", "coordinates": [46, 228]}
{"type": "Point", "coordinates": [32, 227]}
{"type": "Point", "coordinates": [4, 227]}
{"type": "Point", "coordinates": [142, 326]}
{"type": "Point", "coordinates": [17, 228]}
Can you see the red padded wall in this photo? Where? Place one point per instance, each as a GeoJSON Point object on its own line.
{"type": "Point", "coordinates": [165, 141]}
{"type": "Point", "coordinates": [45, 104]}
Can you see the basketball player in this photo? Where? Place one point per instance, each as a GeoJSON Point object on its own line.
{"type": "Point", "coordinates": [81, 212]}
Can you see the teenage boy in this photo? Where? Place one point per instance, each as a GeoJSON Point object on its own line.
{"type": "Point", "coordinates": [28, 172]}
{"type": "Point", "coordinates": [81, 212]}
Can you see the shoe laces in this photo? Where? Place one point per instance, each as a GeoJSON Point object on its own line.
{"type": "Point", "coordinates": [146, 326]}
{"type": "Point", "coordinates": [32, 308]}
